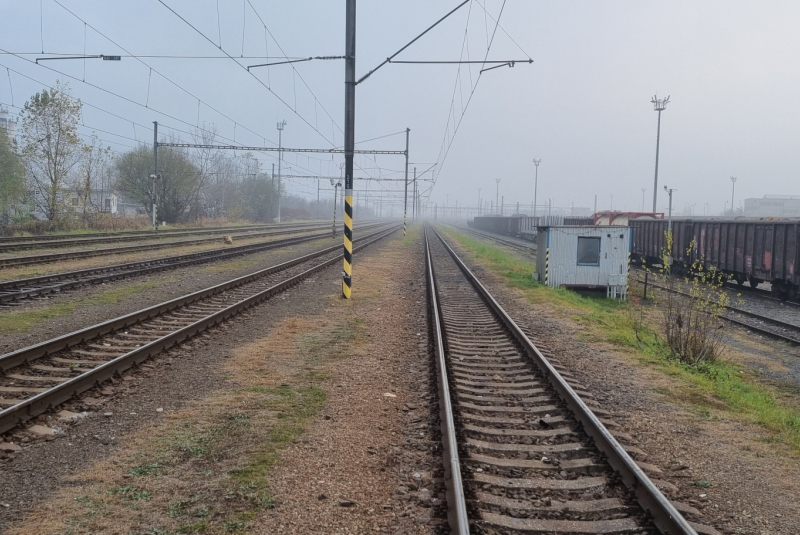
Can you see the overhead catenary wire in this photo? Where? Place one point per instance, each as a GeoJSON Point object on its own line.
{"type": "Point", "coordinates": [443, 158]}
{"type": "Point", "coordinates": [245, 69]}
{"type": "Point", "coordinates": [155, 70]}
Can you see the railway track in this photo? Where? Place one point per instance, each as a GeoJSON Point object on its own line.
{"type": "Point", "coordinates": [18, 261]}
{"type": "Point", "coordinates": [65, 241]}
{"type": "Point", "coordinates": [15, 291]}
{"type": "Point", "coordinates": [773, 327]}
{"type": "Point", "coordinates": [46, 237]}
{"type": "Point", "coordinates": [525, 451]}
{"type": "Point", "coordinates": [524, 247]}
{"type": "Point", "coordinates": [44, 375]}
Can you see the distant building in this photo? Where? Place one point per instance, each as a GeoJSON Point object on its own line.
{"type": "Point", "coordinates": [7, 123]}
{"type": "Point", "coordinates": [773, 206]}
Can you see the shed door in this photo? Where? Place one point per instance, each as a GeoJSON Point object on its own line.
{"type": "Point", "coordinates": [617, 251]}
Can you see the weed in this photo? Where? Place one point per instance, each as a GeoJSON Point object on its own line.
{"type": "Point", "coordinates": [233, 526]}
{"type": "Point", "coordinates": [703, 484]}
{"type": "Point", "coordinates": [131, 493]}
{"type": "Point", "coordinates": [147, 470]}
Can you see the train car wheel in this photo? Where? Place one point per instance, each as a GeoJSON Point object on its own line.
{"type": "Point", "coordinates": [754, 282]}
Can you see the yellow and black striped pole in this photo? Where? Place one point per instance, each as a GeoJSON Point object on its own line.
{"type": "Point", "coordinates": [405, 195]}
{"type": "Point", "coordinates": [349, 143]}
{"type": "Point", "coordinates": [347, 280]}
{"type": "Point", "coordinates": [546, 266]}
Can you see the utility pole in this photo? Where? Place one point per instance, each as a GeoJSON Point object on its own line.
{"type": "Point", "coordinates": [317, 198]}
{"type": "Point", "coordinates": [497, 195]}
{"type": "Point", "coordinates": [479, 202]}
{"type": "Point", "coordinates": [502, 204]}
{"type": "Point", "coordinates": [335, 191]}
{"type": "Point", "coordinates": [659, 105]}
{"type": "Point", "coordinates": [643, 190]}
{"type": "Point", "coordinates": [155, 176]}
{"type": "Point", "coordinates": [405, 195]}
{"type": "Point", "coordinates": [535, 185]}
{"type": "Point", "coordinates": [669, 223]}
{"type": "Point", "coordinates": [281, 125]}
{"type": "Point", "coordinates": [349, 143]}
{"type": "Point", "coordinates": [733, 189]}
{"type": "Point", "coordinates": [414, 208]}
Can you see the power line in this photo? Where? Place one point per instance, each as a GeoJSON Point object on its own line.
{"type": "Point", "coordinates": [156, 71]}
{"type": "Point", "coordinates": [245, 69]}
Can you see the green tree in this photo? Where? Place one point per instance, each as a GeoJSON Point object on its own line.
{"type": "Point", "coordinates": [51, 147]}
{"type": "Point", "coordinates": [175, 189]}
{"type": "Point", "coordinates": [12, 176]}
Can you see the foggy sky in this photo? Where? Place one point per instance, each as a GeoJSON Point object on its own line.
{"type": "Point", "coordinates": [583, 106]}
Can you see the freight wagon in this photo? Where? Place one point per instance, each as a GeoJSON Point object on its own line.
{"type": "Point", "coordinates": [753, 251]}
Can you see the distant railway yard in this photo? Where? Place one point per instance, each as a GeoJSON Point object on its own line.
{"type": "Point", "coordinates": [216, 387]}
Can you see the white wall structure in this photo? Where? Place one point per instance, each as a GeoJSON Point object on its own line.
{"type": "Point", "coordinates": [584, 257]}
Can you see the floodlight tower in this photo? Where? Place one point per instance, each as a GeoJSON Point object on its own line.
{"type": "Point", "coordinates": [659, 105]}
{"type": "Point", "coordinates": [535, 185]}
{"type": "Point", "coordinates": [281, 126]}
{"type": "Point", "coordinates": [497, 195]}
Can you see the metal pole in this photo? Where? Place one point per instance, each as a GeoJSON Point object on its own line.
{"type": "Point", "coordinates": [497, 195]}
{"type": "Point", "coordinates": [643, 191]}
{"type": "Point", "coordinates": [502, 204]}
{"type": "Point", "coordinates": [733, 189]}
{"type": "Point", "coordinates": [669, 224]}
{"type": "Point", "coordinates": [155, 172]}
{"type": "Point", "coordinates": [535, 185]}
{"type": "Point", "coordinates": [655, 181]}
{"type": "Point", "coordinates": [414, 208]}
{"type": "Point", "coordinates": [405, 195]}
{"type": "Point", "coordinates": [280, 157]}
{"type": "Point", "coordinates": [349, 143]}
{"type": "Point", "coordinates": [317, 198]}
{"type": "Point", "coordinates": [335, 191]}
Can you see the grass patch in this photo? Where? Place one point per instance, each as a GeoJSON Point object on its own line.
{"type": "Point", "coordinates": [17, 322]}
{"type": "Point", "coordinates": [720, 385]}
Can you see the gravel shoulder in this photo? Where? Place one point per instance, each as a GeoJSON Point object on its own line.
{"type": "Point", "coordinates": [729, 469]}
{"type": "Point", "coordinates": [306, 414]}
{"type": "Point", "coordinates": [35, 320]}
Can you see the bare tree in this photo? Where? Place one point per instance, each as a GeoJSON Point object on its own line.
{"type": "Point", "coordinates": [50, 146]}
{"type": "Point", "coordinates": [91, 185]}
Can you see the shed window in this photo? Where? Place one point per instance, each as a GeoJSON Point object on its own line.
{"type": "Point", "coordinates": [588, 251]}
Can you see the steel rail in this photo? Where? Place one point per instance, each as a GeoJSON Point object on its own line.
{"type": "Point", "coordinates": [17, 289]}
{"type": "Point", "coordinates": [736, 310]}
{"type": "Point", "coordinates": [665, 516]}
{"type": "Point", "coordinates": [510, 243]}
{"type": "Point", "coordinates": [17, 261]}
{"type": "Point", "coordinates": [22, 246]}
{"type": "Point", "coordinates": [44, 237]}
{"type": "Point", "coordinates": [457, 511]}
{"type": "Point", "coordinates": [31, 407]}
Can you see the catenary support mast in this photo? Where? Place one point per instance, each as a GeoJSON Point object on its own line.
{"type": "Point", "coordinates": [349, 143]}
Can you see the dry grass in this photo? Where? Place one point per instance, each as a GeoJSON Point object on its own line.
{"type": "Point", "coordinates": [91, 262]}
{"type": "Point", "coordinates": [204, 470]}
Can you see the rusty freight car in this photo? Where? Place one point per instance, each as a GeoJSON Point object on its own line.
{"type": "Point", "coordinates": [753, 251]}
